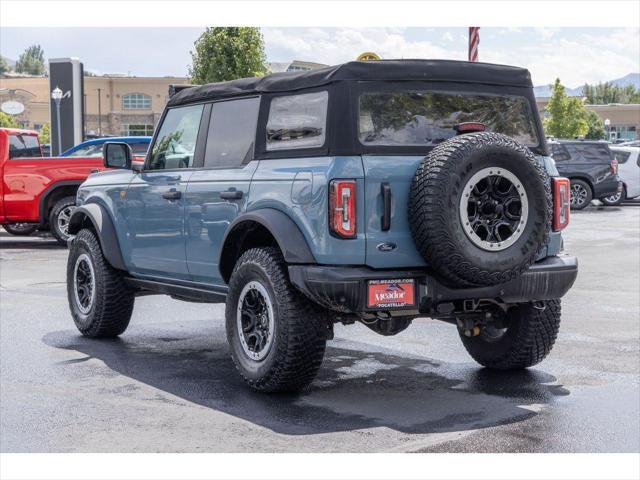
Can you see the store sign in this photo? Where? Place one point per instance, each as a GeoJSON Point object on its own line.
{"type": "Point", "coordinates": [12, 107]}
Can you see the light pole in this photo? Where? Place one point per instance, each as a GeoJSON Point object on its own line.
{"type": "Point", "coordinates": [99, 112]}
{"type": "Point", "coordinates": [607, 124]}
{"type": "Point", "coordinates": [56, 94]}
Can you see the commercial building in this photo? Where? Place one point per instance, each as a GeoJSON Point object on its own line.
{"type": "Point", "coordinates": [624, 119]}
{"type": "Point", "coordinates": [113, 104]}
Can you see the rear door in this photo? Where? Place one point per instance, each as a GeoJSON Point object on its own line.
{"type": "Point", "coordinates": [154, 203]}
{"type": "Point", "coordinates": [218, 192]}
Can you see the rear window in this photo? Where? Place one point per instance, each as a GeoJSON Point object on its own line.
{"type": "Point", "coordinates": [589, 152]}
{"type": "Point", "coordinates": [621, 156]}
{"type": "Point", "coordinates": [24, 146]}
{"type": "Point", "coordinates": [297, 121]}
{"type": "Point", "coordinates": [425, 118]}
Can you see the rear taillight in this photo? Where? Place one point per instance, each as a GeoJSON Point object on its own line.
{"type": "Point", "coordinates": [342, 208]}
{"type": "Point", "coordinates": [614, 166]}
{"type": "Point", "coordinates": [561, 202]}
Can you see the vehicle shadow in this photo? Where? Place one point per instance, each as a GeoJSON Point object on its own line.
{"type": "Point", "coordinates": [354, 389]}
{"type": "Point", "coordinates": [34, 243]}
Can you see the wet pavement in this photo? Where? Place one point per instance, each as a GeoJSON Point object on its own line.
{"type": "Point", "coordinates": [168, 383]}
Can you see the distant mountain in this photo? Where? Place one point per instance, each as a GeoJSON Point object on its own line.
{"type": "Point", "coordinates": [630, 79]}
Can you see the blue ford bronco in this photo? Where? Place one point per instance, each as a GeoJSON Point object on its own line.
{"type": "Point", "coordinates": [375, 192]}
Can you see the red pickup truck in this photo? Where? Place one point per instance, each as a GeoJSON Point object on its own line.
{"type": "Point", "coordinates": [38, 192]}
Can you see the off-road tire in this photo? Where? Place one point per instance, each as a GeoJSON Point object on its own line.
{"type": "Point", "coordinates": [112, 307]}
{"type": "Point", "coordinates": [20, 229]}
{"type": "Point", "coordinates": [621, 198]}
{"type": "Point", "coordinates": [434, 209]}
{"type": "Point", "coordinates": [587, 189]}
{"type": "Point", "coordinates": [529, 338]}
{"type": "Point", "coordinates": [60, 206]}
{"type": "Point", "coordinates": [300, 334]}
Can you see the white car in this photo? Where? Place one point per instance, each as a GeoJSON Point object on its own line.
{"type": "Point", "coordinates": [628, 171]}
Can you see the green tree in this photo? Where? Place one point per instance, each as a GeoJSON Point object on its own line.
{"type": "Point", "coordinates": [4, 66]}
{"type": "Point", "coordinates": [604, 93]}
{"type": "Point", "coordinates": [7, 121]}
{"type": "Point", "coordinates": [227, 53]}
{"type": "Point", "coordinates": [596, 126]}
{"type": "Point", "coordinates": [45, 134]}
{"type": "Point", "coordinates": [31, 61]}
{"type": "Point", "coordinates": [567, 115]}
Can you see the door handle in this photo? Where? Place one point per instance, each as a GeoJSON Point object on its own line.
{"type": "Point", "coordinates": [95, 170]}
{"type": "Point", "coordinates": [231, 194]}
{"type": "Point", "coordinates": [172, 195]}
{"type": "Point", "coordinates": [385, 221]}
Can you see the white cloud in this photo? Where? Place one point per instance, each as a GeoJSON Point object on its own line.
{"type": "Point", "coordinates": [575, 57]}
{"type": "Point", "coordinates": [346, 44]}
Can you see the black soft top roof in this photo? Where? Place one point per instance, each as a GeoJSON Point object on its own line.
{"type": "Point", "coordinates": [381, 70]}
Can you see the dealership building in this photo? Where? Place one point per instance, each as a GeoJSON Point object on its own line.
{"type": "Point", "coordinates": [624, 118]}
{"type": "Point", "coordinates": [113, 104]}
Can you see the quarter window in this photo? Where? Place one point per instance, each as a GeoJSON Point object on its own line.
{"type": "Point", "coordinates": [297, 121]}
{"type": "Point", "coordinates": [559, 153]}
{"type": "Point", "coordinates": [176, 140]}
{"type": "Point", "coordinates": [232, 132]}
{"type": "Point", "coordinates": [589, 152]}
{"type": "Point", "coordinates": [136, 101]}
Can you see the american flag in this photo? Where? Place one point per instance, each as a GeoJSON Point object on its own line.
{"type": "Point", "coordinates": [474, 41]}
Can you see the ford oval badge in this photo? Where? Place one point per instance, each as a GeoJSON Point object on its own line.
{"type": "Point", "coordinates": [386, 247]}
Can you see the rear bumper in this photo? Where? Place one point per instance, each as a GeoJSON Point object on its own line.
{"type": "Point", "coordinates": [344, 289]}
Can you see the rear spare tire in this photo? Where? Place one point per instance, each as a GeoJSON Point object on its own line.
{"type": "Point", "coordinates": [480, 209]}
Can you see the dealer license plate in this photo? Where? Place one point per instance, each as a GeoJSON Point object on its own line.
{"type": "Point", "coordinates": [395, 293]}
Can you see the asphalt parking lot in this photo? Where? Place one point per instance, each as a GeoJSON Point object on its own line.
{"type": "Point", "coordinates": [168, 384]}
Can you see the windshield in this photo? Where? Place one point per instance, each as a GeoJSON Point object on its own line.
{"type": "Point", "coordinates": [425, 118]}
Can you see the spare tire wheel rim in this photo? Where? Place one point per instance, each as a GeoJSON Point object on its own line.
{"type": "Point", "coordinates": [255, 321]}
{"type": "Point", "coordinates": [494, 209]}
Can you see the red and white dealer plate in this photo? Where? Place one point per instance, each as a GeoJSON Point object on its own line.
{"type": "Point", "coordinates": [395, 293]}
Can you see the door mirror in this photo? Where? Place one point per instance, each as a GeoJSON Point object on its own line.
{"type": "Point", "coordinates": [117, 155]}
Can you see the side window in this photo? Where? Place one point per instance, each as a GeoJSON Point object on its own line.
{"type": "Point", "coordinates": [176, 141]}
{"type": "Point", "coordinates": [559, 153]}
{"type": "Point", "coordinates": [297, 121]}
{"type": "Point", "coordinates": [232, 132]}
{"type": "Point", "coordinates": [139, 148]}
{"type": "Point", "coordinates": [621, 156]}
{"type": "Point", "coordinates": [90, 151]}
{"type": "Point", "coordinates": [23, 146]}
{"type": "Point", "coordinates": [589, 152]}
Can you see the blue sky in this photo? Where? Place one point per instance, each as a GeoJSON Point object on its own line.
{"type": "Point", "coordinates": [576, 55]}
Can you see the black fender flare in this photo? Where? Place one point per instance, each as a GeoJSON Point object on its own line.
{"type": "Point", "coordinates": [287, 234]}
{"type": "Point", "coordinates": [42, 213]}
{"type": "Point", "coordinates": [104, 228]}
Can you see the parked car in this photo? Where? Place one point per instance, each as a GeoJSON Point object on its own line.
{"type": "Point", "coordinates": [38, 192]}
{"type": "Point", "coordinates": [306, 199]}
{"type": "Point", "coordinates": [93, 148]}
{"type": "Point", "coordinates": [632, 143]}
{"type": "Point", "coordinates": [629, 173]}
{"type": "Point", "coordinates": [590, 166]}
